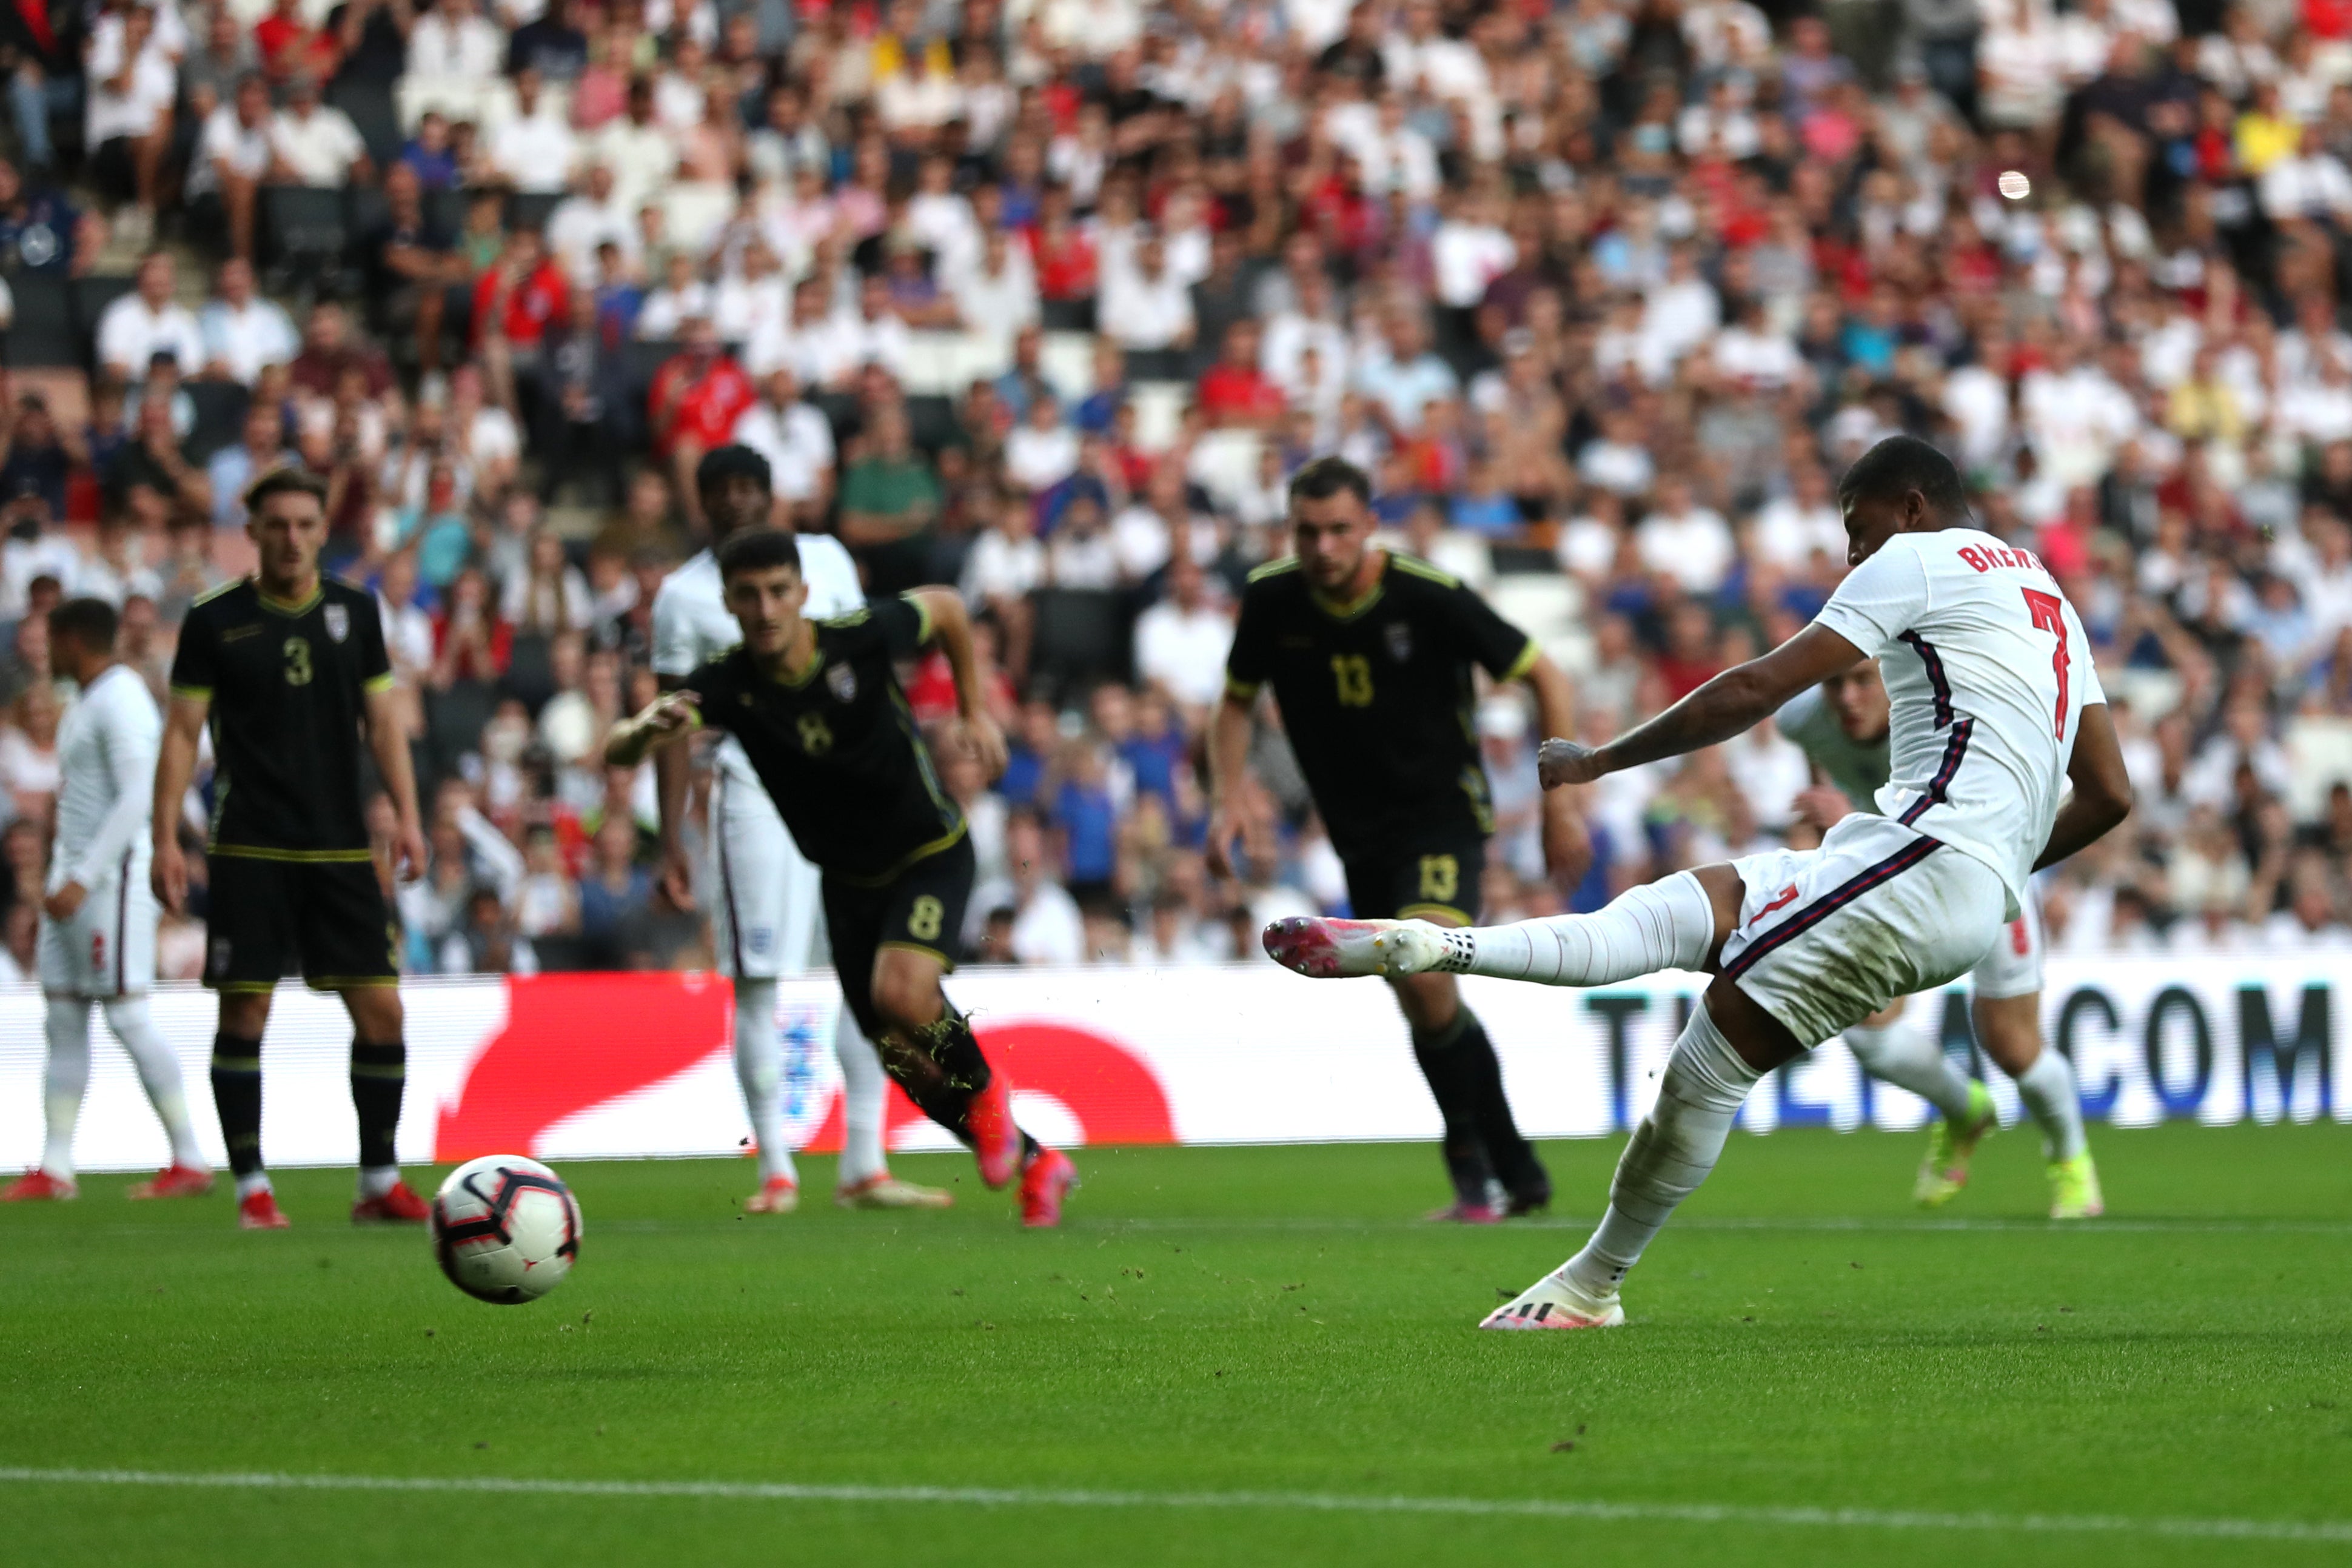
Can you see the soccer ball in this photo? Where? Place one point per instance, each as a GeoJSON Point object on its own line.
{"type": "Point", "coordinates": [505, 1229]}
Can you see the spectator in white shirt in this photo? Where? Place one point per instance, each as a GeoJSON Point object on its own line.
{"type": "Point", "coordinates": [535, 152]}
{"type": "Point", "coordinates": [1180, 643]}
{"type": "Point", "coordinates": [2309, 185]}
{"type": "Point", "coordinates": [147, 322]}
{"type": "Point", "coordinates": [1470, 250]}
{"type": "Point", "coordinates": [1404, 382]}
{"type": "Point", "coordinates": [232, 158]}
{"type": "Point", "coordinates": [1685, 541]}
{"type": "Point", "coordinates": [127, 119]}
{"type": "Point", "coordinates": [1682, 311]}
{"type": "Point", "coordinates": [1793, 528]}
{"type": "Point", "coordinates": [1041, 451]}
{"type": "Point", "coordinates": [795, 439]}
{"type": "Point", "coordinates": [1143, 302]}
{"type": "Point", "coordinates": [244, 333]}
{"type": "Point", "coordinates": [638, 149]}
{"type": "Point", "coordinates": [997, 294]}
{"type": "Point", "coordinates": [316, 144]}
{"type": "Point", "coordinates": [1751, 356]}
{"type": "Point", "coordinates": [595, 216]}
{"type": "Point", "coordinates": [453, 42]}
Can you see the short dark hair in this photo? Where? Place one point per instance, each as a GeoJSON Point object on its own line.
{"type": "Point", "coordinates": [758, 550]}
{"type": "Point", "coordinates": [722, 463]}
{"type": "Point", "coordinates": [1904, 463]}
{"type": "Point", "coordinates": [89, 622]}
{"type": "Point", "coordinates": [1327, 477]}
{"type": "Point", "coordinates": [284, 481]}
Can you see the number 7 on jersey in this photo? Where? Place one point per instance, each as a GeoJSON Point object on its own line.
{"type": "Point", "coordinates": [2049, 613]}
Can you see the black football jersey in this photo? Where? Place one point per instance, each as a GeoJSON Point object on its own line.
{"type": "Point", "coordinates": [288, 685]}
{"type": "Point", "coordinates": [837, 749]}
{"type": "Point", "coordinates": [1377, 696]}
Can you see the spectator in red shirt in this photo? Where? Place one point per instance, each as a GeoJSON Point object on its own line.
{"type": "Point", "coordinates": [516, 301]}
{"type": "Point", "coordinates": [698, 394]}
{"type": "Point", "coordinates": [1236, 394]}
{"type": "Point", "coordinates": [289, 44]}
{"type": "Point", "coordinates": [469, 641]}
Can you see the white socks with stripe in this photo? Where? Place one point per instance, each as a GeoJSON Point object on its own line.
{"type": "Point", "coordinates": [1665, 924]}
{"type": "Point", "coordinates": [864, 1088]}
{"type": "Point", "coordinates": [1668, 1155]}
{"type": "Point", "coordinates": [2048, 1089]}
{"type": "Point", "coordinates": [1907, 1056]}
{"type": "Point", "coordinates": [760, 1070]}
{"type": "Point", "coordinates": [66, 1024]}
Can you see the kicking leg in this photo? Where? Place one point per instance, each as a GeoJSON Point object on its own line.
{"type": "Point", "coordinates": [1902, 1053]}
{"type": "Point", "coordinates": [2009, 1030]}
{"type": "Point", "coordinates": [1729, 1043]}
{"type": "Point", "coordinates": [159, 1074]}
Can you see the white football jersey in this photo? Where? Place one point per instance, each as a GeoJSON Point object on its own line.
{"type": "Point", "coordinates": [691, 626]}
{"type": "Point", "coordinates": [1988, 672]}
{"type": "Point", "coordinates": [106, 759]}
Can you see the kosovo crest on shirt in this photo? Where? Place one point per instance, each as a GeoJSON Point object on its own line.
{"type": "Point", "coordinates": [1399, 635]}
{"type": "Point", "coordinates": [338, 621]}
{"type": "Point", "coordinates": [843, 680]}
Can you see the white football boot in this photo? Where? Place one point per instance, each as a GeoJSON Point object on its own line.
{"type": "Point", "coordinates": [1335, 949]}
{"type": "Point", "coordinates": [1551, 1302]}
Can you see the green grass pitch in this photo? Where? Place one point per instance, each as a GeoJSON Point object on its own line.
{"type": "Point", "coordinates": [1216, 1322]}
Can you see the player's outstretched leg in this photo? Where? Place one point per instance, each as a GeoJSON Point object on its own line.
{"type": "Point", "coordinates": [759, 1071]}
{"type": "Point", "coordinates": [187, 1176]}
{"type": "Point", "coordinates": [67, 1023]}
{"type": "Point", "coordinates": [1666, 924]}
{"type": "Point", "coordinates": [1665, 1160]}
{"type": "Point", "coordinates": [864, 1181]}
{"type": "Point", "coordinates": [1892, 1049]}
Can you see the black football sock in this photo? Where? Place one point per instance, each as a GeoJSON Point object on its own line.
{"type": "Point", "coordinates": [379, 1078]}
{"type": "Point", "coordinates": [1440, 1055]}
{"type": "Point", "coordinates": [237, 1096]}
{"type": "Point", "coordinates": [1514, 1157]}
{"type": "Point", "coordinates": [951, 1070]}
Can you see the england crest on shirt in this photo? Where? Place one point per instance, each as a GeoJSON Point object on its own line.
{"type": "Point", "coordinates": [843, 679]}
{"type": "Point", "coordinates": [338, 621]}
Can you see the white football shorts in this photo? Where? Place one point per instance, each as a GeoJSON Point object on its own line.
{"type": "Point", "coordinates": [768, 910]}
{"type": "Point", "coordinates": [108, 947]}
{"type": "Point", "coordinates": [2014, 967]}
{"type": "Point", "coordinates": [1829, 936]}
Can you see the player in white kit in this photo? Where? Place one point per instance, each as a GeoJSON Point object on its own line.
{"type": "Point", "coordinates": [1842, 726]}
{"type": "Point", "coordinates": [1996, 708]}
{"type": "Point", "coordinates": [767, 909]}
{"type": "Point", "coordinates": [98, 918]}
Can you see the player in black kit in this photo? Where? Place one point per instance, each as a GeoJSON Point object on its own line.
{"type": "Point", "coordinates": [1370, 654]}
{"type": "Point", "coordinates": [819, 711]}
{"type": "Point", "coordinates": [287, 667]}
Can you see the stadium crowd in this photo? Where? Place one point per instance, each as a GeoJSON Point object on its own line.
{"type": "Point", "coordinates": [1046, 299]}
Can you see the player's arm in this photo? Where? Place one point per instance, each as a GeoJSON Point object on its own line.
{"type": "Point", "coordinates": [666, 720]}
{"type": "Point", "coordinates": [1726, 706]}
{"type": "Point", "coordinates": [2102, 792]}
{"type": "Point", "coordinates": [388, 740]}
{"type": "Point", "coordinates": [946, 622]}
{"type": "Point", "coordinates": [131, 768]}
{"type": "Point", "coordinates": [1229, 741]}
{"type": "Point", "coordinates": [175, 765]}
{"type": "Point", "coordinates": [1566, 846]}
{"type": "Point", "coordinates": [673, 772]}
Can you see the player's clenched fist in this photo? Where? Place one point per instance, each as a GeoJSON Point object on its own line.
{"type": "Point", "coordinates": [1560, 762]}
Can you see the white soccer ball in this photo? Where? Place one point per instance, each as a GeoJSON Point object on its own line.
{"type": "Point", "coordinates": [505, 1229]}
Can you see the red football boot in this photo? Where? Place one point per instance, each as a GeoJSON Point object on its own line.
{"type": "Point", "coordinates": [258, 1211]}
{"type": "Point", "coordinates": [1044, 1185]}
{"type": "Point", "coordinates": [396, 1206]}
{"type": "Point", "coordinates": [172, 1182]}
{"type": "Point", "coordinates": [996, 1140]}
{"type": "Point", "coordinates": [38, 1186]}
{"type": "Point", "coordinates": [1461, 1212]}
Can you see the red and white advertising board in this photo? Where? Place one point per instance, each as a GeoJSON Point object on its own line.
{"type": "Point", "coordinates": [576, 1066]}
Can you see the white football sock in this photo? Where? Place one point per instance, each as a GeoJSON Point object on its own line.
{"type": "Point", "coordinates": [248, 1185]}
{"type": "Point", "coordinates": [377, 1180]}
{"type": "Point", "coordinates": [159, 1072]}
{"type": "Point", "coordinates": [760, 1070]}
{"type": "Point", "coordinates": [1665, 924]}
{"type": "Point", "coordinates": [67, 1027]}
{"type": "Point", "coordinates": [1668, 1155]}
{"type": "Point", "coordinates": [864, 1088]}
{"type": "Point", "coordinates": [1906, 1056]}
{"type": "Point", "coordinates": [2048, 1089]}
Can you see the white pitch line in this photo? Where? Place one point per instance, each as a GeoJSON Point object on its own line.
{"type": "Point", "coordinates": [1794, 1224]}
{"type": "Point", "coordinates": [2318, 1530]}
